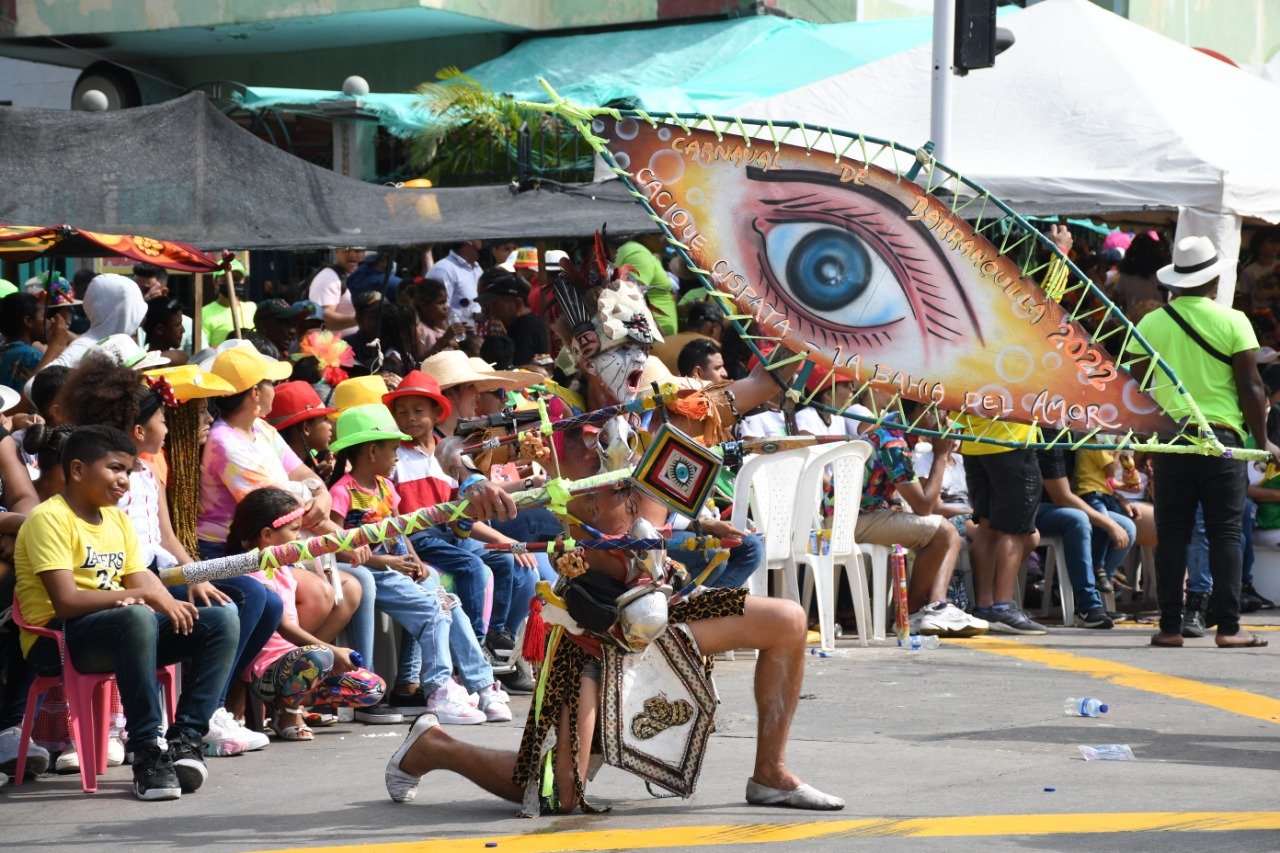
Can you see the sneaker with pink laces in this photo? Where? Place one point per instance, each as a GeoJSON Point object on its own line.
{"type": "Point", "coordinates": [443, 704]}
{"type": "Point", "coordinates": [227, 736]}
{"type": "Point", "coordinates": [493, 702]}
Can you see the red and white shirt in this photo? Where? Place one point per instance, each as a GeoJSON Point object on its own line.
{"type": "Point", "coordinates": [419, 478]}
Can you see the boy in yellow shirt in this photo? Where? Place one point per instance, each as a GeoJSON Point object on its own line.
{"type": "Point", "coordinates": [79, 569]}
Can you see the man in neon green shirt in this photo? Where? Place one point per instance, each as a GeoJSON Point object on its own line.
{"type": "Point", "coordinates": [215, 318]}
{"type": "Point", "coordinates": [1214, 352]}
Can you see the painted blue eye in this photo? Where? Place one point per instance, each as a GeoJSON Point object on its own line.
{"type": "Point", "coordinates": [832, 272]}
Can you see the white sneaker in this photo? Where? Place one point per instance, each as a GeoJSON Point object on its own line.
{"type": "Point", "coordinates": [227, 736]}
{"type": "Point", "coordinates": [459, 693]}
{"type": "Point", "coordinates": [944, 619]}
{"type": "Point", "coordinates": [37, 756]}
{"type": "Point", "coordinates": [493, 703]}
{"type": "Point", "coordinates": [400, 785]}
{"type": "Point", "coordinates": [450, 711]}
{"type": "Point", "coordinates": [68, 761]}
{"type": "Point", "coordinates": [115, 751]}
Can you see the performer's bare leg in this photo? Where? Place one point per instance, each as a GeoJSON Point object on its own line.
{"type": "Point", "coordinates": [777, 628]}
{"type": "Point", "coordinates": [588, 707]}
{"type": "Point", "coordinates": [491, 769]}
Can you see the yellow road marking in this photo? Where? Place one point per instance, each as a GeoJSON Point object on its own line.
{"type": "Point", "coordinates": [682, 837]}
{"type": "Point", "coordinates": [1239, 702]}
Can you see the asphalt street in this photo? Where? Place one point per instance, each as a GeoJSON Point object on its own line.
{"type": "Point", "coordinates": [967, 744]}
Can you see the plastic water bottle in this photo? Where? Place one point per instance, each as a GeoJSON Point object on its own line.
{"type": "Point", "coordinates": [1086, 706]}
{"type": "Point", "coordinates": [357, 658]}
{"type": "Point", "coordinates": [919, 642]}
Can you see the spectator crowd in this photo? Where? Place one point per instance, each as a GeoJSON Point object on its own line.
{"type": "Point", "coordinates": [126, 450]}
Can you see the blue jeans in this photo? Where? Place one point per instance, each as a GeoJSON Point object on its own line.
{"type": "Point", "coordinates": [1077, 535]}
{"type": "Point", "coordinates": [1105, 552]}
{"type": "Point", "coordinates": [259, 609]}
{"type": "Point", "coordinates": [1198, 578]}
{"type": "Point", "coordinates": [463, 560]}
{"type": "Point", "coordinates": [360, 628]}
{"type": "Point", "coordinates": [733, 573]}
{"type": "Point", "coordinates": [133, 642]}
{"type": "Point", "coordinates": [419, 612]}
{"type": "Point", "coordinates": [464, 650]}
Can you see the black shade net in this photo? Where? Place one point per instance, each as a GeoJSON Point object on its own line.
{"type": "Point", "coordinates": [182, 171]}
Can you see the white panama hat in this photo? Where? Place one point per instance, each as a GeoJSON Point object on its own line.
{"type": "Point", "coordinates": [1195, 261]}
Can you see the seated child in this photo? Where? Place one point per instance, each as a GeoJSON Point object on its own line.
{"type": "Point", "coordinates": [419, 408]}
{"type": "Point", "coordinates": [366, 443]}
{"type": "Point", "coordinates": [79, 569]}
{"type": "Point", "coordinates": [294, 668]}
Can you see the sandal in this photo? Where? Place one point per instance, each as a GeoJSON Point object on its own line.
{"type": "Point", "coordinates": [1255, 642]}
{"type": "Point", "coordinates": [296, 732]}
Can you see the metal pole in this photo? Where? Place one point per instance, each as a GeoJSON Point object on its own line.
{"type": "Point", "coordinates": [944, 26]}
{"type": "Point", "coordinates": [197, 329]}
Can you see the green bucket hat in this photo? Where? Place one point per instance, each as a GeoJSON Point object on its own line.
{"type": "Point", "coordinates": [362, 424]}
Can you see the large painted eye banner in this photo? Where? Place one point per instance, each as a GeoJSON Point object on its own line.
{"type": "Point", "coordinates": [886, 269]}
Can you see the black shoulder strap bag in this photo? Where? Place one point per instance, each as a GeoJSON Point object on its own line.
{"type": "Point", "coordinates": [1195, 336]}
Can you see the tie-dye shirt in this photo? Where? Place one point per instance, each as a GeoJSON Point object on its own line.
{"type": "Point", "coordinates": [356, 505]}
{"type": "Point", "coordinates": [234, 465]}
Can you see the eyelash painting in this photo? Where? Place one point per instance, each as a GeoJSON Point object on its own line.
{"type": "Point", "coordinates": [897, 274]}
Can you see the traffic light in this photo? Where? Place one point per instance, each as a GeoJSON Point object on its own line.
{"type": "Point", "coordinates": [977, 39]}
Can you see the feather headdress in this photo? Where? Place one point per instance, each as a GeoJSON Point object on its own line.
{"type": "Point", "coordinates": [598, 306]}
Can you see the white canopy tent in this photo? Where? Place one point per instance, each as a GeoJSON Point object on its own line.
{"type": "Point", "coordinates": [1088, 113]}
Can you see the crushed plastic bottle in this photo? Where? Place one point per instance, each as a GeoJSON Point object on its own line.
{"type": "Point", "coordinates": [919, 642]}
{"type": "Point", "coordinates": [1107, 752]}
{"type": "Point", "coordinates": [1085, 706]}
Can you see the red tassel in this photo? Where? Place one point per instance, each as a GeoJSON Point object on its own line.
{"type": "Point", "coordinates": [535, 634]}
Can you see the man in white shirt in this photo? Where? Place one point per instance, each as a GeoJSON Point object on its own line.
{"type": "Point", "coordinates": [460, 273]}
{"type": "Point", "coordinates": [328, 289]}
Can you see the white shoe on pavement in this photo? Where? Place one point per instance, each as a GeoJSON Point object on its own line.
{"type": "Point", "coordinates": [494, 704]}
{"type": "Point", "coordinates": [227, 736]}
{"type": "Point", "coordinates": [400, 785]}
{"type": "Point", "coordinates": [448, 710]}
{"type": "Point", "coordinates": [941, 618]}
{"type": "Point", "coordinates": [37, 755]}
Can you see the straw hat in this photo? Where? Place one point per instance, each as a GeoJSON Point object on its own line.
{"type": "Point", "coordinates": [359, 391]}
{"type": "Point", "coordinates": [296, 402]}
{"type": "Point", "coordinates": [418, 384]}
{"type": "Point", "coordinates": [1195, 262]}
{"type": "Point", "coordinates": [363, 424]}
{"type": "Point", "coordinates": [189, 382]}
{"type": "Point", "coordinates": [244, 367]}
{"type": "Point", "coordinates": [452, 367]}
{"type": "Point", "coordinates": [512, 379]}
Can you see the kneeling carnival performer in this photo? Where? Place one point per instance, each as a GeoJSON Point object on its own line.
{"type": "Point", "coordinates": [624, 656]}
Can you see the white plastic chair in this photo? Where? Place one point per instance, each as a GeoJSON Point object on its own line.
{"type": "Point", "coordinates": [766, 486]}
{"type": "Point", "coordinates": [878, 561]}
{"type": "Point", "coordinates": [848, 467]}
{"type": "Point", "coordinates": [1058, 566]}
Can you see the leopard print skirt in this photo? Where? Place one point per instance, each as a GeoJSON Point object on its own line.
{"type": "Point", "coordinates": [563, 684]}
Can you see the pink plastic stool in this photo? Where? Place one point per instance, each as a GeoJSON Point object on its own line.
{"type": "Point", "coordinates": [89, 704]}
